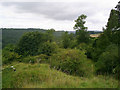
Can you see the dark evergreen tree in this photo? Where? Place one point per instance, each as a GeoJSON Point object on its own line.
{"type": "Point", "coordinates": [113, 21]}
{"type": "Point", "coordinates": [107, 49]}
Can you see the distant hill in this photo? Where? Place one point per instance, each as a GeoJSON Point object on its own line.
{"type": "Point", "coordinates": [90, 32]}
{"type": "Point", "coordinates": [12, 35]}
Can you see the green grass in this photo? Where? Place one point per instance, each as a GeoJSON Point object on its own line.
{"type": "Point", "coordinates": [42, 76]}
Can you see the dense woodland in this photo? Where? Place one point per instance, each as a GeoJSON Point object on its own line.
{"type": "Point", "coordinates": [74, 54]}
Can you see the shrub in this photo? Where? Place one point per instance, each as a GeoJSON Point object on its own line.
{"type": "Point", "coordinates": [10, 47]}
{"type": "Point", "coordinates": [108, 60]}
{"type": "Point", "coordinates": [82, 46]}
{"type": "Point", "coordinates": [47, 48]}
{"type": "Point", "coordinates": [8, 57]}
{"type": "Point", "coordinates": [42, 58]}
{"type": "Point", "coordinates": [87, 48]}
{"type": "Point", "coordinates": [29, 43]}
{"type": "Point", "coordinates": [72, 62]}
{"type": "Point", "coordinates": [29, 59]}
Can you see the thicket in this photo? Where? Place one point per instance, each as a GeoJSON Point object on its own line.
{"type": "Point", "coordinates": [72, 61]}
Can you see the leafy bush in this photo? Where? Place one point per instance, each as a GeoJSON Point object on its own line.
{"type": "Point", "coordinates": [10, 47]}
{"type": "Point", "coordinates": [108, 60]}
{"type": "Point", "coordinates": [68, 40]}
{"type": "Point", "coordinates": [47, 48]}
{"type": "Point", "coordinates": [87, 48]}
{"type": "Point", "coordinates": [82, 46]}
{"type": "Point", "coordinates": [42, 58]}
{"type": "Point", "coordinates": [82, 36]}
{"type": "Point", "coordinates": [49, 34]}
{"type": "Point", "coordinates": [72, 62]}
{"type": "Point", "coordinates": [29, 43]}
{"type": "Point", "coordinates": [29, 59]}
{"type": "Point", "coordinates": [8, 57]}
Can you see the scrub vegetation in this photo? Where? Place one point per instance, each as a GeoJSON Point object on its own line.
{"type": "Point", "coordinates": [69, 60]}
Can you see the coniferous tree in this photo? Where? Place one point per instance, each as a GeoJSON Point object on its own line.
{"type": "Point", "coordinates": [113, 21]}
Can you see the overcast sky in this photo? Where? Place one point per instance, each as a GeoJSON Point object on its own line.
{"type": "Point", "coordinates": [57, 14]}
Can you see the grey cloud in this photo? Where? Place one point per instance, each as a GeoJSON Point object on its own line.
{"type": "Point", "coordinates": [54, 10]}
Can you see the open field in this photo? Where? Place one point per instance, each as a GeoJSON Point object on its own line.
{"type": "Point", "coordinates": [94, 35]}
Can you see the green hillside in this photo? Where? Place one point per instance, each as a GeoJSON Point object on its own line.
{"type": "Point", "coordinates": [42, 76]}
{"type": "Point", "coordinates": [12, 35]}
{"type": "Point", "coordinates": [58, 59]}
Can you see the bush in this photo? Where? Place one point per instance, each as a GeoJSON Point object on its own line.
{"type": "Point", "coordinates": [47, 48]}
{"type": "Point", "coordinates": [108, 60]}
{"type": "Point", "coordinates": [68, 40]}
{"type": "Point", "coordinates": [82, 36]}
{"type": "Point", "coordinates": [10, 47]}
{"type": "Point", "coordinates": [72, 62]}
{"type": "Point", "coordinates": [82, 46]}
{"type": "Point", "coordinates": [42, 58]}
{"type": "Point", "coordinates": [29, 43]}
{"type": "Point", "coordinates": [87, 48]}
{"type": "Point", "coordinates": [29, 59]}
{"type": "Point", "coordinates": [8, 57]}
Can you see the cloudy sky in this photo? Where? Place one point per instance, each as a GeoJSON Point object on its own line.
{"type": "Point", "coordinates": [57, 14]}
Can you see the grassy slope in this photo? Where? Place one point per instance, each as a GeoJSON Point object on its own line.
{"type": "Point", "coordinates": [41, 76]}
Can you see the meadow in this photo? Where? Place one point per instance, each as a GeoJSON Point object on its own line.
{"type": "Point", "coordinates": [42, 76]}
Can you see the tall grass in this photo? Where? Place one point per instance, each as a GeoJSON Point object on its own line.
{"type": "Point", "coordinates": [42, 76]}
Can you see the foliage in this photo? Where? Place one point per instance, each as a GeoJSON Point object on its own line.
{"type": "Point", "coordinates": [108, 60]}
{"type": "Point", "coordinates": [30, 42]}
{"type": "Point", "coordinates": [49, 34]}
{"type": "Point", "coordinates": [68, 40]}
{"type": "Point", "coordinates": [82, 35]}
{"type": "Point", "coordinates": [80, 23]}
{"type": "Point", "coordinates": [47, 48]}
{"type": "Point", "coordinates": [42, 58]}
{"type": "Point", "coordinates": [72, 62]}
{"type": "Point", "coordinates": [10, 47]}
{"type": "Point", "coordinates": [36, 47]}
{"type": "Point", "coordinates": [89, 51]}
{"type": "Point", "coordinates": [41, 76]}
{"type": "Point", "coordinates": [82, 46]}
{"type": "Point", "coordinates": [113, 21]}
{"type": "Point", "coordinates": [12, 35]}
{"type": "Point", "coordinates": [8, 57]}
{"type": "Point", "coordinates": [109, 36]}
{"type": "Point", "coordinates": [28, 59]}
{"type": "Point", "coordinates": [100, 45]}
{"type": "Point", "coordinates": [115, 37]}
{"type": "Point", "coordinates": [87, 48]}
